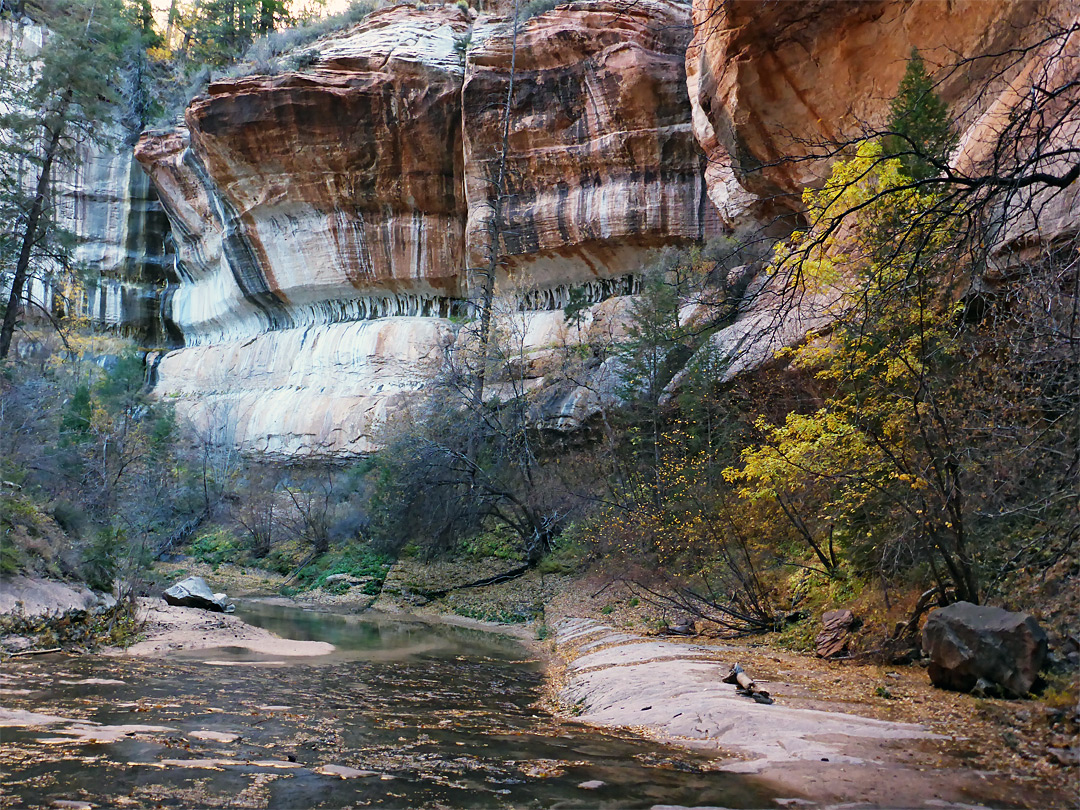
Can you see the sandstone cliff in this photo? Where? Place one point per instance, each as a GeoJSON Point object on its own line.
{"type": "Point", "coordinates": [357, 191]}
{"type": "Point", "coordinates": [342, 211]}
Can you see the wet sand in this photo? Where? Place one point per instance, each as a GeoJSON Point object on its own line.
{"type": "Point", "coordinates": [170, 629]}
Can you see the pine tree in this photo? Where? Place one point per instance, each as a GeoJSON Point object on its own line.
{"type": "Point", "coordinates": [60, 97]}
{"type": "Point", "coordinates": [920, 128]}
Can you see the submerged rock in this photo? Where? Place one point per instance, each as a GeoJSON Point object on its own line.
{"type": "Point", "coordinates": [968, 644]}
{"type": "Point", "coordinates": [194, 592]}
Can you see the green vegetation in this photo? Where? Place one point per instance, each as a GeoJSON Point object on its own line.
{"type": "Point", "coordinates": [215, 547]}
{"type": "Point", "coordinates": [920, 127]}
{"type": "Point", "coordinates": [493, 614]}
{"type": "Point", "coordinates": [534, 8]}
{"type": "Point", "coordinates": [92, 484]}
{"type": "Point", "coordinates": [356, 560]}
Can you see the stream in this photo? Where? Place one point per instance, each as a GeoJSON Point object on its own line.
{"type": "Point", "coordinates": [404, 714]}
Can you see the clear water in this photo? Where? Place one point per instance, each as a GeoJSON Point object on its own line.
{"type": "Point", "coordinates": [445, 717]}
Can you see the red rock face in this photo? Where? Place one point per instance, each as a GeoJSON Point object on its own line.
{"type": "Point", "coordinates": [350, 174]}
{"type": "Point", "coordinates": [368, 174]}
{"type": "Point", "coordinates": [601, 160]}
{"type": "Point", "coordinates": [769, 81]}
{"type": "Point", "coordinates": [356, 190]}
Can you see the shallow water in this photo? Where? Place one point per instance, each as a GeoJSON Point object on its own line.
{"type": "Point", "coordinates": [441, 717]}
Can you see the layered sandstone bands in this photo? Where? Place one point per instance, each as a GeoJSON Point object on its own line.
{"type": "Point", "coordinates": [602, 165]}
{"type": "Point", "coordinates": [323, 207]}
{"type": "Point", "coordinates": [313, 198]}
{"type": "Point", "coordinates": [314, 211]}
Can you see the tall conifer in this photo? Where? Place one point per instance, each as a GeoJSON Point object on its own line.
{"type": "Point", "coordinates": [920, 128]}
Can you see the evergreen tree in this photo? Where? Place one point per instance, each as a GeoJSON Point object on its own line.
{"type": "Point", "coordinates": [55, 100]}
{"type": "Point", "coordinates": [920, 128]}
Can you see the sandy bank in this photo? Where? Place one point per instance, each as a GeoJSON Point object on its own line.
{"type": "Point", "coordinates": [673, 691]}
{"type": "Point", "coordinates": [171, 629]}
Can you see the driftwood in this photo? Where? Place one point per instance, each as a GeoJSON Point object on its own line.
{"type": "Point", "coordinates": [35, 652]}
{"type": "Point", "coordinates": [746, 685]}
{"type": "Point", "coordinates": [505, 576]}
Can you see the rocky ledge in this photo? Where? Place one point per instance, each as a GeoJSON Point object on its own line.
{"type": "Point", "coordinates": [674, 692]}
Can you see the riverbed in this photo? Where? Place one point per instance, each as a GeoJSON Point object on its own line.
{"type": "Point", "coordinates": [402, 714]}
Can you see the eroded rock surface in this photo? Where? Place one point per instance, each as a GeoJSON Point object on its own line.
{"type": "Point", "coordinates": [324, 220]}
{"type": "Point", "coordinates": [601, 164]}
{"type": "Point", "coordinates": [360, 190]}
{"type": "Point", "coordinates": [774, 83]}
{"type": "Point", "coordinates": [676, 689]}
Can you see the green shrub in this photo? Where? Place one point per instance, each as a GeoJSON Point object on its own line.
{"type": "Point", "coordinates": [72, 519]}
{"type": "Point", "coordinates": [302, 59]}
{"type": "Point", "coordinates": [567, 556]}
{"type": "Point", "coordinates": [493, 614]}
{"type": "Point", "coordinates": [461, 45]}
{"type": "Point", "coordinates": [216, 547]}
{"type": "Point", "coordinates": [498, 542]}
{"type": "Point", "coordinates": [10, 559]}
{"type": "Point", "coordinates": [101, 559]}
{"type": "Point", "coordinates": [535, 8]}
{"type": "Point", "coordinates": [357, 560]}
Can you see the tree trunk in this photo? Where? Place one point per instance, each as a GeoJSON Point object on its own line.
{"type": "Point", "coordinates": [495, 229]}
{"type": "Point", "coordinates": [30, 233]}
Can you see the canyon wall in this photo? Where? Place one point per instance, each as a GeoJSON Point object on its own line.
{"type": "Point", "coordinates": [335, 212]}
{"type": "Point", "coordinates": [120, 233]}
{"type": "Point", "coordinates": [330, 224]}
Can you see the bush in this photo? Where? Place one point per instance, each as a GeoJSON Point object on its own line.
{"type": "Point", "coordinates": [358, 560]}
{"type": "Point", "coordinates": [567, 557]}
{"type": "Point", "coordinates": [10, 560]}
{"type": "Point", "coordinates": [101, 560]}
{"type": "Point", "coordinates": [498, 542]}
{"type": "Point", "coordinates": [535, 8]}
{"type": "Point", "coordinates": [72, 519]}
{"type": "Point", "coordinates": [216, 547]}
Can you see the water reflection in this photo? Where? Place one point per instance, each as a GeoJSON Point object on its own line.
{"type": "Point", "coordinates": [415, 715]}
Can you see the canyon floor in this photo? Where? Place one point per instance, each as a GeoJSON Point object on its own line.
{"type": "Point", "coordinates": [839, 731]}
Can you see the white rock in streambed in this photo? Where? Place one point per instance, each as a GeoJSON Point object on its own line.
{"type": "Point", "coordinates": [194, 592]}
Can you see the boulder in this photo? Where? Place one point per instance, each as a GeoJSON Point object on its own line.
{"type": "Point", "coordinates": [967, 643]}
{"type": "Point", "coordinates": [832, 641]}
{"type": "Point", "coordinates": [683, 627]}
{"type": "Point", "coordinates": [194, 592]}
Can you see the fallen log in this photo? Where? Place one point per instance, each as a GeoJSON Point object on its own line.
{"type": "Point", "coordinates": [746, 685]}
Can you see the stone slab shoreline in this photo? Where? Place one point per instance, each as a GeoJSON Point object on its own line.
{"type": "Point", "coordinates": [673, 692]}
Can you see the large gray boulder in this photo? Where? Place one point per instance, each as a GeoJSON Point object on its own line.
{"type": "Point", "coordinates": [194, 592]}
{"type": "Point", "coordinates": [969, 642]}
